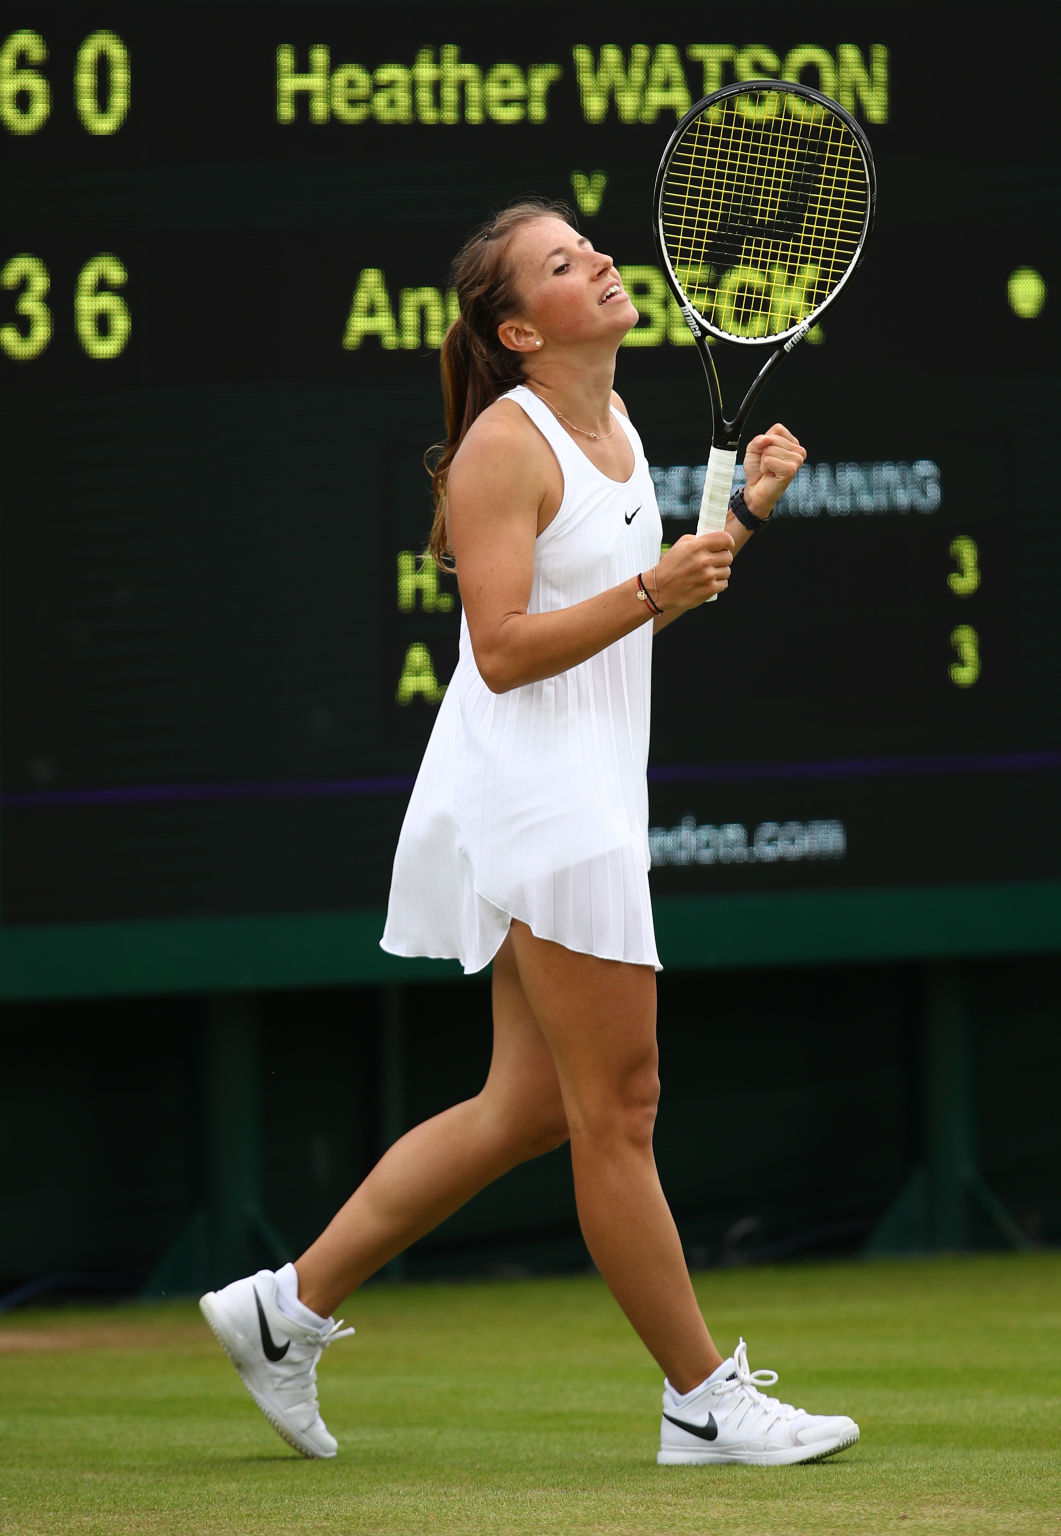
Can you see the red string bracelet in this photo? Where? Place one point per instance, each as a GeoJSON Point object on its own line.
{"type": "Point", "coordinates": [643, 594]}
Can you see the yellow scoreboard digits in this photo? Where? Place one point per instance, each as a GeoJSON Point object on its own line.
{"type": "Point", "coordinates": [101, 316]}
{"type": "Point", "coordinates": [966, 668]}
{"type": "Point", "coordinates": [963, 581]}
{"type": "Point", "coordinates": [965, 578]}
{"type": "Point", "coordinates": [102, 88]}
{"type": "Point", "coordinates": [25, 95]}
{"type": "Point", "coordinates": [102, 82]}
{"type": "Point", "coordinates": [31, 275]}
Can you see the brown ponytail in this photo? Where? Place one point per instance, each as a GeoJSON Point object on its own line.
{"type": "Point", "coordinates": [476, 368]}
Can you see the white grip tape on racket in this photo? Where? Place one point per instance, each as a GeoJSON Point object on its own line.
{"type": "Point", "coordinates": [718, 482]}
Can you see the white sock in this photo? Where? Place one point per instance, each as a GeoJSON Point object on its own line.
{"type": "Point", "coordinates": [288, 1303]}
{"type": "Point", "coordinates": [721, 1373]}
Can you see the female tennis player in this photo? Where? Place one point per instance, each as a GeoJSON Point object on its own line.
{"type": "Point", "coordinates": [525, 841]}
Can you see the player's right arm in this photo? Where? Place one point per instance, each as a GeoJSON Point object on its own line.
{"type": "Point", "coordinates": [501, 490]}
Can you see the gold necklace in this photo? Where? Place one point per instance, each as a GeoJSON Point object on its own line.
{"type": "Point", "coordinates": [596, 436]}
{"type": "Point", "coordinates": [601, 436]}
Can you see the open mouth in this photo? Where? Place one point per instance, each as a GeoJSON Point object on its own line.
{"type": "Point", "coordinates": [613, 291]}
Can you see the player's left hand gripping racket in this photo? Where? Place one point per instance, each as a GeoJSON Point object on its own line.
{"type": "Point", "coordinates": [763, 203]}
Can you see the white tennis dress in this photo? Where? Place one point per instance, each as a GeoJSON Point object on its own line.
{"type": "Point", "coordinates": [533, 804]}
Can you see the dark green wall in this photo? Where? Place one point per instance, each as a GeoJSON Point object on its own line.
{"type": "Point", "coordinates": [794, 1114]}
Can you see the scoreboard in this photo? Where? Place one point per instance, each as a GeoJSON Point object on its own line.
{"type": "Point", "coordinates": [225, 235]}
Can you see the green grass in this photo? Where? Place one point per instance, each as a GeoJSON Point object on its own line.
{"type": "Point", "coordinates": [527, 1408]}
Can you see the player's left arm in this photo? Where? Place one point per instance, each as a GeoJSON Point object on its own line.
{"type": "Point", "coordinates": [771, 462]}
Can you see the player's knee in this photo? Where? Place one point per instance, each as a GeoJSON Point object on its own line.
{"type": "Point", "coordinates": [641, 1105]}
{"type": "Point", "coordinates": [628, 1111]}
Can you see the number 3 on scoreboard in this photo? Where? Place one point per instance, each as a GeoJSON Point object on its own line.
{"type": "Point", "coordinates": [966, 643]}
{"type": "Point", "coordinates": [965, 579]}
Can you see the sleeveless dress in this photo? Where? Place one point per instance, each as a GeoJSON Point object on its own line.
{"type": "Point", "coordinates": [533, 804]}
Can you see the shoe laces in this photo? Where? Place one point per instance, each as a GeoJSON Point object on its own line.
{"type": "Point", "coordinates": [298, 1382]}
{"type": "Point", "coordinates": [321, 1342]}
{"type": "Point", "coordinates": [337, 1331]}
{"type": "Point", "coordinates": [748, 1382]}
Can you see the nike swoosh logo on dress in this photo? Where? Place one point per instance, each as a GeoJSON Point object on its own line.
{"type": "Point", "coordinates": [631, 515]}
{"type": "Point", "coordinates": [272, 1349]}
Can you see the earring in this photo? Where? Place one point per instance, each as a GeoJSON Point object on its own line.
{"type": "Point", "coordinates": [538, 342]}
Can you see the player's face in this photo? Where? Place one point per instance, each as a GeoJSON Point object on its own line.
{"type": "Point", "coordinates": [570, 290]}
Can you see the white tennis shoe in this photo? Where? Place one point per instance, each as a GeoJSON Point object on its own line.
{"type": "Point", "coordinates": [727, 1419]}
{"type": "Point", "coordinates": [275, 1356]}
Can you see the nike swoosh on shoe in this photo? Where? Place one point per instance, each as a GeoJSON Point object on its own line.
{"type": "Point", "coordinates": [272, 1350]}
{"type": "Point", "coordinates": [708, 1431]}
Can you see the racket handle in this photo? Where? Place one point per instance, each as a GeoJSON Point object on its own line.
{"type": "Point", "coordinates": [718, 482]}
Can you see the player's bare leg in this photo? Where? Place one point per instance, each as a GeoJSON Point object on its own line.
{"type": "Point", "coordinates": [436, 1167]}
{"type": "Point", "coordinates": [599, 1017]}
{"type": "Point", "coordinates": [275, 1326]}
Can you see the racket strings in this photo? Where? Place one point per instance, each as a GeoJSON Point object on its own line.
{"type": "Point", "coordinates": [763, 209]}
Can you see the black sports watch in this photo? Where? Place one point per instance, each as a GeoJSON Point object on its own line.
{"type": "Point", "coordinates": [739, 507]}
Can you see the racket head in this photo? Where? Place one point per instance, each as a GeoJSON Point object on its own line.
{"type": "Point", "coordinates": [763, 203]}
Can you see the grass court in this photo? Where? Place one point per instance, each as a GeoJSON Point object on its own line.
{"type": "Point", "coordinates": [528, 1408]}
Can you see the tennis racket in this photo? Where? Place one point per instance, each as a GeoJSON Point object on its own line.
{"type": "Point", "coordinates": [763, 203]}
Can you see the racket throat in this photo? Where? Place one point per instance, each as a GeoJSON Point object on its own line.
{"type": "Point", "coordinates": [725, 433]}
